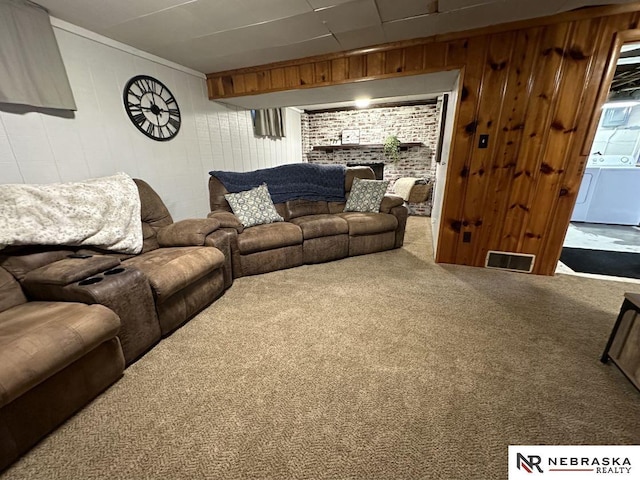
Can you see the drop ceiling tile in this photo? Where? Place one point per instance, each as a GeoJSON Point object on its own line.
{"type": "Point", "coordinates": [415, 27]}
{"type": "Point", "coordinates": [394, 10]}
{"type": "Point", "coordinates": [231, 42]}
{"type": "Point", "coordinates": [316, 46]}
{"type": "Point", "coordinates": [162, 28]}
{"type": "Point", "coordinates": [230, 14]}
{"type": "Point", "coordinates": [326, 3]}
{"type": "Point", "coordinates": [99, 15]}
{"type": "Point", "coordinates": [240, 41]}
{"type": "Point", "coordinates": [293, 29]}
{"type": "Point", "coordinates": [450, 5]}
{"type": "Point", "coordinates": [566, 5]}
{"type": "Point", "coordinates": [153, 32]}
{"type": "Point", "coordinates": [350, 16]}
{"type": "Point", "coordinates": [363, 37]}
{"type": "Point", "coordinates": [519, 9]}
{"type": "Point", "coordinates": [499, 12]}
{"type": "Point", "coordinates": [465, 19]}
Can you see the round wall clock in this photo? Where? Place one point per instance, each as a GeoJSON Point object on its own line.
{"type": "Point", "coordinates": [152, 108]}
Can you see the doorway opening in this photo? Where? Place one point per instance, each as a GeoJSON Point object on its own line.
{"type": "Point", "coordinates": [603, 237]}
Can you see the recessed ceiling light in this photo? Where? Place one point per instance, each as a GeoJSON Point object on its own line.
{"type": "Point", "coordinates": [363, 102]}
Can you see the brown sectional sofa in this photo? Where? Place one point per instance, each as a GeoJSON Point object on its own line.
{"type": "Point", "coordinates": [314, 231]}
{"type": "Point", "coordinates": [72, 318]}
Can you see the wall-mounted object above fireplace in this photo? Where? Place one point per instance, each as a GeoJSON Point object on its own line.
{"type": "Point", "coordinates": [370, 146]}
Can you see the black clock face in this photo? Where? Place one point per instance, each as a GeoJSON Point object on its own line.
{"type": "Point", "coordinates": [152, 108]}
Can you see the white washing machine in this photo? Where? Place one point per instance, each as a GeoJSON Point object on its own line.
{"type": "Point", "coordinates": [610, 191]}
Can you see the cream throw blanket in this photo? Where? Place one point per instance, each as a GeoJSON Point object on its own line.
{"type": "Point", "coordinates": [101, 212]}
{"type": "Point", "coordinates": [403, 186]}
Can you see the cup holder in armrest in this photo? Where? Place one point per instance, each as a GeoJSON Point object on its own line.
{"type": "Point", "coordinates": [90, 281]}
{"type": "Point", "coordinates": [114, 271]}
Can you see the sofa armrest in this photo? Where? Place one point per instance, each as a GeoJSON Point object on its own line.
{"type": "Point", "coordinates": [191, 232]}
{"type": "Point", "coordinates": [70, 270]}
{"type": "Point", "coordinates": [390, 201]}
{"type": "Point", "coordinates": [222, 240]}
{"type": "Point", "coordinates": [401, 212]}
{"type": "Point", "coordinates": [227, 220]}
{"type": "Point", "coordinates": [104, 280]}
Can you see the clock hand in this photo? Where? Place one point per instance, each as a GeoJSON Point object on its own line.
{"type": "Point", "coordinates": [162, 110]}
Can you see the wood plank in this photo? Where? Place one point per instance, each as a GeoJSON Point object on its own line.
{"type": "Point", "coordinates": [509, 137]}
{"type": "Point", "coordinates": [227, 84]}
{"type": "Point", "coordinates": [414, 58]}
{"type": "Point", "coordinates": [322, 72]}
{"type": "Point", "coordinates": [574, 75]}
{"type": "Point", "coordinates": [456, 53]}
{"type": "Point", "coordinates": [374, 64]}
{"type": "Point", "coordinates": [278, 81]}
{"type": "Point", "coordinates": [543, 94]}
{"type": "Point", "coordinates": [496, 67]}
{"type": "Point", "coordinates": [307, 76]}
{"type": "Point", "coordinates": [238, 83]}
{"type": "Point", "coordinates": [394, 61]}
{"type": "Point", "coordinates": [474, 52]}
{"type": "Point", "coordinates": [215, 87]}
{"type": "Point", "coordinates": [435, 55]}
{"type": "Point", "coordinates": [356, 67]}
{"type": "Point", "coordinates": [292, 76]}
{"type": "Point", "coordinates": [251, 82]}
{"type": "Point", "coordinates": [339, 69]}
{"type": "Point", "coordinates": [264, 80]}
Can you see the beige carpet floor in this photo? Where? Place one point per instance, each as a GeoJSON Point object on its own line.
{"type": "Point", "coordinates": [385, 366]}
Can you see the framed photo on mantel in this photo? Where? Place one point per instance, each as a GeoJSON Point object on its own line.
{"type": "Point", "coordinates": [350, 137]}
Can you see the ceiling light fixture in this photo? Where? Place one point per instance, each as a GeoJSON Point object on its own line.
{"type": "Point", "coordinates": [363, 102]}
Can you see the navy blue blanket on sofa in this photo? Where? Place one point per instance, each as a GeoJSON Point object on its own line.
{"type": "Point", "coordinates": [289, 182]}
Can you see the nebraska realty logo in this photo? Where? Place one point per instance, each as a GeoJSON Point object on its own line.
{"type": "Point", "coordinates": [574, 461]}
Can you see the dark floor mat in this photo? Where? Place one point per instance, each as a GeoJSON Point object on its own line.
{"type": "Point", "coordinates": [602, 262]}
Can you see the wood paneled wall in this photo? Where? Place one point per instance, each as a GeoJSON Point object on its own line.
{"type": "Point", "coordinates": [533, 87]}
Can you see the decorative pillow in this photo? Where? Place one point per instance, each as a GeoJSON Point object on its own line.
{"type": "Point", "coordinates": [253, 207]}
{"type": "Point", "coordinates": [366, 195]}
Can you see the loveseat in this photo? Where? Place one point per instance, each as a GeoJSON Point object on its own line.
{"type": "Point", "coordinates": [312, 230]}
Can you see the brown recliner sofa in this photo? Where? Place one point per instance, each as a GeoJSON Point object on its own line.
{"type": "Point", "coordinates": [71, 318]}
{"type": "Point", "coordinates": [314, 231]}
{"type": "Point", "coordinates": [55, 357]}
{"type": "Point", "coordinates": [183, 267]}
{"type": "Point", "coordinates": [187, 263]}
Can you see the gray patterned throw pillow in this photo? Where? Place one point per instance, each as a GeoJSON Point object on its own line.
{"type": "Point", "coordinates": [253, 207]}
{"type": "Point", "coordinates": [366, 195]}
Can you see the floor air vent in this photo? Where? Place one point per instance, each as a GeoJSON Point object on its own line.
{"type": "Point", "coordinates": [517, 262]}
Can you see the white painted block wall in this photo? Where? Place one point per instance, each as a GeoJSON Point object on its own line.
{"type": "Point", "coordinates": [99, 139]}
